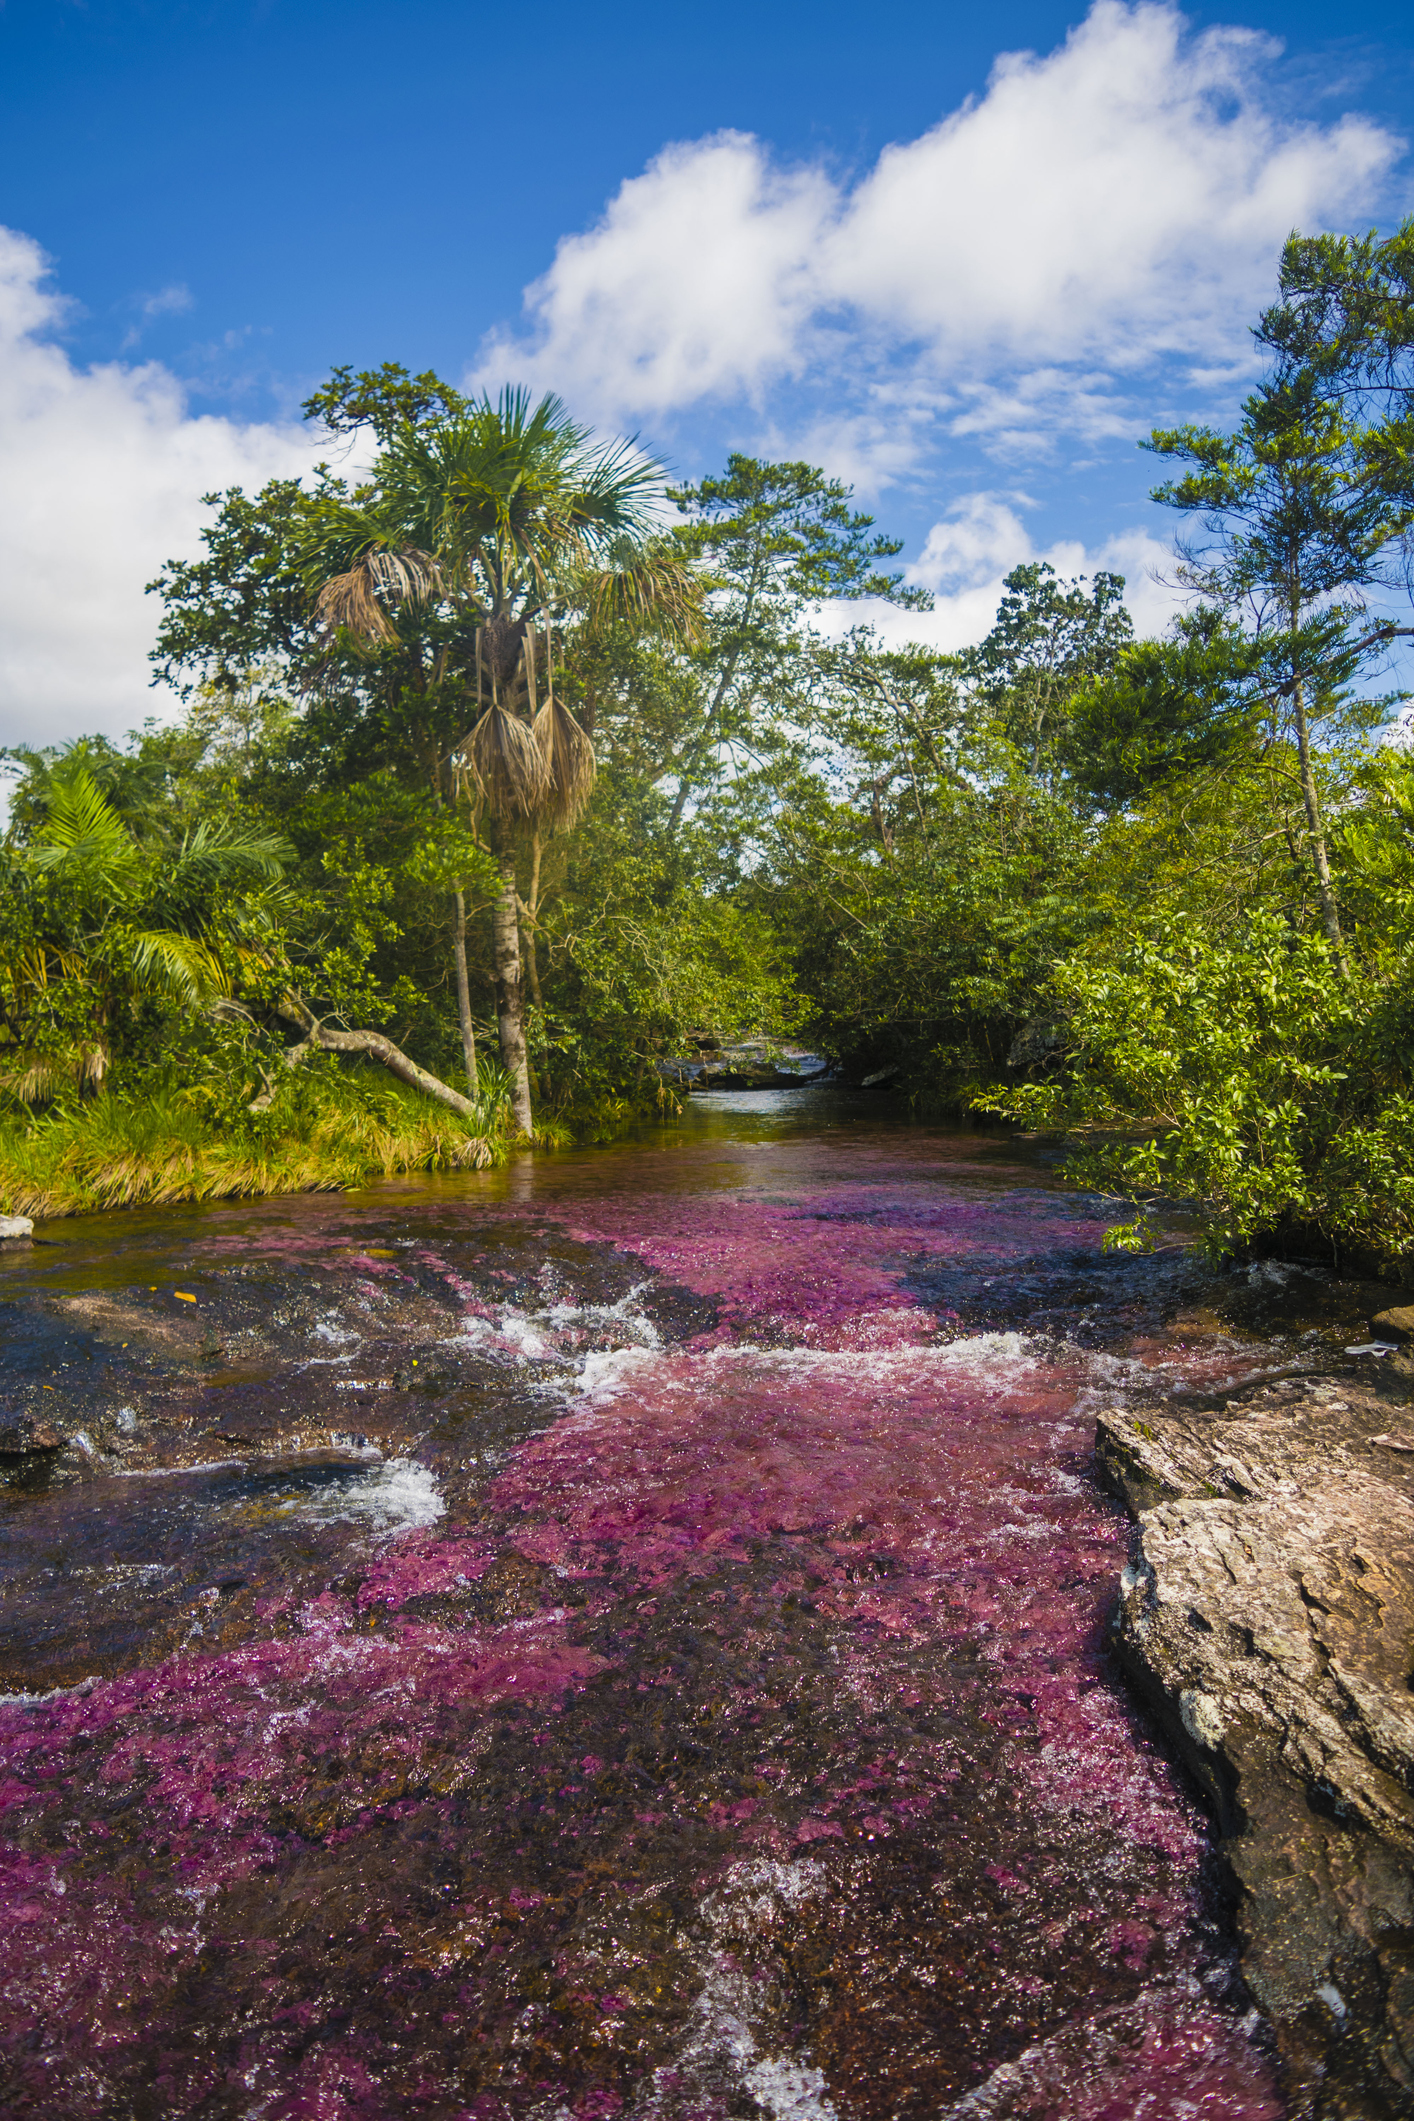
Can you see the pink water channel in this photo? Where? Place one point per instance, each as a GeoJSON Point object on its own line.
{"type": "Point", "coordinates": [624, 1636]}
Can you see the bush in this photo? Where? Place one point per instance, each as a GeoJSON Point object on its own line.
{"type": "Point", "coordinates": [1273, 1089]}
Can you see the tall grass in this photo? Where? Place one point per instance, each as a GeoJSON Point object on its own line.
{"type": "Point", "coordinates": [330, 1130]}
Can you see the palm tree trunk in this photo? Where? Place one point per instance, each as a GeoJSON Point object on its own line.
{"type": "Point", "coordinates": [510, 997]}
{"type": "Point", "coordinates": [532, 910]}
{"type": "Point", "coordinates": [464, 991]}
{"type": "Point", "coordinates": [1330, 912]}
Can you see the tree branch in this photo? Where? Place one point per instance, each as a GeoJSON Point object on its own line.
{"type": "Point", "coordinates": [377, 1047]}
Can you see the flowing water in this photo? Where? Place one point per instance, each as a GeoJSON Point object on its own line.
{"type": "Point", "coordinates": [624, 1635]}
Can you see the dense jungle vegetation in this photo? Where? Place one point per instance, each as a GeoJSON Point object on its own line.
{"type": "Point", "coordinates": [507, 770]}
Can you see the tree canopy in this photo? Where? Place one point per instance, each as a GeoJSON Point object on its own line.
{"type": "Point", "coordinates": [510, 760]}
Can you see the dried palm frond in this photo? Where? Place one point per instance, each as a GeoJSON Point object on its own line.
{"type": "Point", "coordinates": [508, 765]}
{"type": "Point", "coordinates": [569, 762]}
{"type": "Point", "coordinates": [35, 1079]}
{"type": "Point", "coordinates": [353, 600]}
{"type": "Point", "coordinates": [649, 588]}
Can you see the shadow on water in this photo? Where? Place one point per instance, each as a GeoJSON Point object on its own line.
{"type": "Point", "coordinates": [620, 1634]}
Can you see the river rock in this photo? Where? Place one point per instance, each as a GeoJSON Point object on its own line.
{"type": "Point", "coordinates": [20, 1435]}
{"type": "Point", "coordinates": [15, 1226]}
{"type": "Point", "coordinates": [1268, 1618]}
{"type": "Point", "coordinates": [1399, 1321]}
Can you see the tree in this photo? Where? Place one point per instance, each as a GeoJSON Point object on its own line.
{"type": "Point", "coordinates": [1049, 639]}
{"type": "Point", "coordinates": [101, 917]}
{"type": "Point", "coordinates": [1297, 526]}
{"type": "Point", "coordinates": [1168, 708]}
{"type": "Point", "coordinates": [482, 525]}
{"type": "Point", "coordinates": [1345, 318]}
{"type": "Point", "coordinates": [774, 540]}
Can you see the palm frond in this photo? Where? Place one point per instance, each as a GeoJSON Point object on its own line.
{"type": "Point", "coordinates": [511, 482]}
{"type": "Point", "coordinates": [507, 763]}
{"type": "Point", "coordinates": [650, 588]}
{"type": "Point", "coordinates": [81, 828]}
{"type": "Point", "coordinates": [358, 599]}
{"type": "Point", "coordinates": [569, 761]}
{"type": "Point", "coordinates": [182, 964]}
{"type": "Point", "coordinates": [215, 850]}
{"type": "Point", "coordinates": [33, 1078]}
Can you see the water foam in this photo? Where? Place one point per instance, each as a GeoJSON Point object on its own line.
{"type": "Point", "coordinates": [399, 1495]}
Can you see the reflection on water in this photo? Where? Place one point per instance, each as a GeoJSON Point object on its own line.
{"type": "Point", "coordinates": [621, 1634]}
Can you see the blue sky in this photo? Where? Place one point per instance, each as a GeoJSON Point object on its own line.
{"type": "Point", "coordinates": [809, 230]}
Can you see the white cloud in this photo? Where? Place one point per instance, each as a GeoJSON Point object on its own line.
{"type": "Point", "coordinates": [966, 557]}
{"type": "Point", "coordinates": [1112, 198]}
{"type": "Point", "coordinates": [104, 469]}
{"type": "Point", "coordinates": [979, 539]}
{"type": "Point", "coordinates": [1121, 198]}
{"type": "Point", "coordinates": [698, 282]}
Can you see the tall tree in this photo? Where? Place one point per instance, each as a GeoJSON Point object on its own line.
{"type": "Point", "coordinates": [775, 541]}
{"type": "Point", "coordinates": [482, 524]}
{"type": "Point", "coordinates": [1296, 527]}
{"type": "Point", "coordinates": [1050, 639]}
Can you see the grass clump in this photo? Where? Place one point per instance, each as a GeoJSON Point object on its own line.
{"type": "Point", "coordinates": [328, 1127]}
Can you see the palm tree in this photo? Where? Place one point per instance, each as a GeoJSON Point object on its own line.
{"type": "Point", "coordinates": [124, 917]}
{"type": "Point", "coordinates": [483, 528]}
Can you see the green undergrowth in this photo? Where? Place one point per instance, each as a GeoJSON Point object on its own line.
{"type": "Point", "coordinates": [329, 1127]}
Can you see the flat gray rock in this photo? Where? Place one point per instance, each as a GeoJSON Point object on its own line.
{"type": "Point", "coordinates": [1268, 1617]}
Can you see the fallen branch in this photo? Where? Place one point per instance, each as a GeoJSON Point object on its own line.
{"type": "Point", "coordinates": [319, 1037]}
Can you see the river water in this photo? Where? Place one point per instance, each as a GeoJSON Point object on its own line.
{"type": "Point", "coordinates": [624, 1635]}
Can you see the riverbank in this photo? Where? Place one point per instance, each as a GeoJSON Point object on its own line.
{"type": "Point", "coordinates": [1268, 1619]}
{"type": "Point", "coordinates": [173, 1145]}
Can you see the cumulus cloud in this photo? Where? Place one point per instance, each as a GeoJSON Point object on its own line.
{"type": "Point", "coordinates": [967, 555]}
{"type": "Point", "coordinates": [698, 281]}
{"type": "Point", "coordinates": [104, 469]}
{"type": "Point", "coordinates": [1120, 198]}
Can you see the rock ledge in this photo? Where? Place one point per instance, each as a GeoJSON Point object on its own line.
{"type": "Point", "coordinates": [1268, 1618]}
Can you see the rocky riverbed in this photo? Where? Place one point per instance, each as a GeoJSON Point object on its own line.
{"type": "Point", "coordinates": [1268, 1618]}
{"type": "Point", "coordinates": [631, 1634]}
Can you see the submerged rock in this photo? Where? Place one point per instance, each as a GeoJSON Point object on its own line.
{"type": "Point", "coordinates": [20, 1434]}
{"type": "Point", "coordinates": [1268, 1616]}
{"type": "Point", "coordinates": [15, 1226]}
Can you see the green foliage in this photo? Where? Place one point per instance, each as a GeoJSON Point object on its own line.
{"type": "Point", "coordinates": [929, 956]}
{"type": "Point", "coordinates": [646, 970]}
{"type": "Point", "coordinates": [1161, 891]}
{"type": "Point", "coordinates": [1167, 709]}
{"type": "Point", "coordinates": [1049, 641]}
{"type": "Point", "coordinates": [1273, 1092]}
{"type": "Point", "coordinates": [772, 540]}
{"type": "Point", "coordinates": [162, 1135]}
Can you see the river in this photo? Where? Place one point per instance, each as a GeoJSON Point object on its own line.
{"type": "Point", "coordinates": [623, 1635]}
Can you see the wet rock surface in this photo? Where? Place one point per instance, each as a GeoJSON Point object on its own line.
{"type": "Point", "coordinates": [1268, 1617]}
